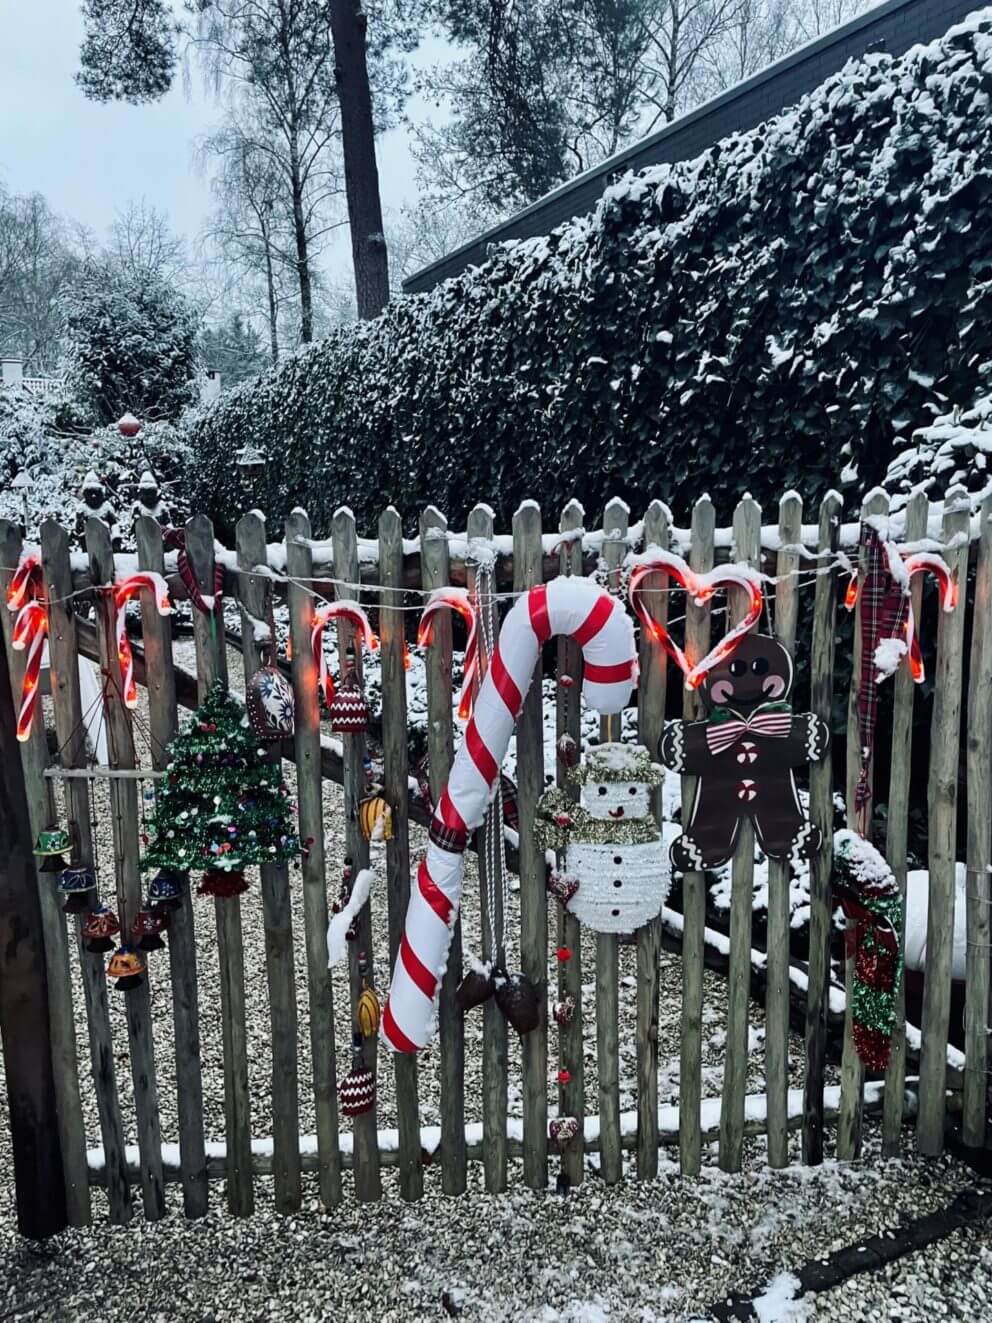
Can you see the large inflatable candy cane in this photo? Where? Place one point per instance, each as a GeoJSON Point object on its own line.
{"type": "Point", "coordinates": [596, 621]}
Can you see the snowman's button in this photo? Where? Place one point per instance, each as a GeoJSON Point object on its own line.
{"type": "Point", "coordinates": [617, 882]}
{"type": "Point", "coordinates": [617, 859]}
{"type": "Point", "coordinates": [616, 914]}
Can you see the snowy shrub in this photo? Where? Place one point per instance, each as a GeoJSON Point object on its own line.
{"type": "Point", "coordinates": [76, 474]}
{"type": "Point", "coordinates": [130, 345]}
{"type": "Point", "coordinates": [772, 314]}
{"type": "Point", "coordinates": [953, 449]}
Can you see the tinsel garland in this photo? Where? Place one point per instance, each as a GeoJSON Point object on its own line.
{"type": "Point", "coordinates": [222, 805]}
{"type": "Point", "coordinates": [560, 822]}
{"type": "Point", "coordinates": [608, 765]}
{"type": "Point", "coordinates": [869, 895]}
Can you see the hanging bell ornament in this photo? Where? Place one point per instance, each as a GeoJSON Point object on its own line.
{"type": "Point", "coordinates": [147, 929]}
{"type": "Point", "coordinates": [375, 818]}
{"type": "Point", "coordinates": [564, 1011]}
{"type": "Point", "coordinates": [221, 882]}
{"type": "Point", "coordinates": [561, 887]}
{"type": "Point", "coordinates": [357, 1090]}
{"type": "Point", "coordinates": [563, 1129]}
{"type": "Point", "coordinates": [127, 967]}
{"type": "Point", "coordinates": [518, 999]}
{"type": "Point", "coordinates": [271, 705]}
{"type": "Point", "coordinates": [166, 890]}
{"type": "Point", "coordinates": [475, 988]}
{"type": "Point", "coordinates": [99, 928]}
{"type": "Point", "coordinates": [568, 751]}
{"type": "Point", "coordinates": [367, 1008]}
{"type": "Point", "coordinates": [75, 884]}
{"type": "Point", "coordinates": [348, 711]}
{"type": "Point", "coordinates": [52, 842]}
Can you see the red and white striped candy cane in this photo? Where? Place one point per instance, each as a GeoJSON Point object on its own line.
{"type": "Point", "coordinates": [337, 611]}
{"type": "Point", "coordinates": [126, 591]}
{"type": "Point", "coordinates": [925, 562]}
{"type": "Point", "coordinates": [455, 599]}
{"type": "Point", "coordinates": [571, 606]}
{"type": "Point", "coordinates": [30, 631]}
{"type": "Point", "coordinates": [25, 582]}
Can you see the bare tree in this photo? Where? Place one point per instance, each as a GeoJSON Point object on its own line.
{"type": "Point", "coordinates": [39, 254]}
{"type": "Point", "coordinates": [423, 234]}
{"type": "Point", "coordinates": [141, 240]}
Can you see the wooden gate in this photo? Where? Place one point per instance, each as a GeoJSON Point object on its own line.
{"type": "Point", "coordinates": [392, 577]}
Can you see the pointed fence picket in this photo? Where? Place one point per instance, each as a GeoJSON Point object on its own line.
{"type": "Point", "coordinates": [389, 570]}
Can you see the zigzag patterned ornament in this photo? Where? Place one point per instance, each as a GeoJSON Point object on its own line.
{"type": "Point", "coordinates": [576, 608]}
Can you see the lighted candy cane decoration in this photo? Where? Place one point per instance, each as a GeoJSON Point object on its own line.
{"type": "Point", "coordinates": [126, 591]}
{"type": "Point", "coordinates": [700, 587]}
{"type": "Point", "coordinates": [455, 599]}
{"type": "Point", "coordinates": [920, 562]}
{"type": "Point", "coordinates": [350, 611]}
{"type": "Point", "coordinates": [30, 632]}
{"type": "Point", "coordinates": [571, 606]}
{"type": "Point", "coordinates": [25, 582]}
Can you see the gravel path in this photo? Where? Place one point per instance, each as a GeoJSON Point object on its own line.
{"type": "Point", "coordinates": [659, 1250]}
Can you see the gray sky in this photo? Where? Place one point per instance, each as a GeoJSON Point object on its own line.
{"type": "Point", "coordinates": [89, 160]}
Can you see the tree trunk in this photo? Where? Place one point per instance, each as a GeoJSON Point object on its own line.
{"type": "Point", "coordinates": [361, 175]}
{"type": "Point", "coordinates": [270, 286]}
{"type": "Point", "coordinates": [38, 1178]}
{"type": "Point", "coordinates": [302, 251]}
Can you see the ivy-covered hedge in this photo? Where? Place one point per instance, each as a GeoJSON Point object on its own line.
{"type": "Point", "coordinates": [772, 314]}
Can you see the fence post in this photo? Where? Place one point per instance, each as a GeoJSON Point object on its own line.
{"type": "Point", "coordinates": [39, 1180]}
{"type": "Point", "coordinates": [651, 692]}
{"type": "Point", "coordinates": [697, 643]}
{"type": "Point", "coordinates": [821, 813]}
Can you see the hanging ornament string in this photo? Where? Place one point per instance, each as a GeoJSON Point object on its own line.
{"type": "Point", "coordinates": [455, 599]}
{"type": "Point", "coordinates": [349, 611]}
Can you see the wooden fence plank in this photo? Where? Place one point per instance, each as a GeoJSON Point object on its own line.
{"type": "Point", "coordinates": [790, 521]}
{"type": "Point", "coordinates": [979, 857]}
{"type": "Point", "coordinates": [875, 504]}
{"type": "Point", "coordinates": [746, 547]}
{"type": "Point", "coordinates": [277, 915]}
{"type": "Point", "coordinates": [163, 717]}
{"type": "Point", "coordinates": [527, 565]}
{"type": "Point", "coordinates": [651, 693]}
{"type": "Point", "coordinates": [368, 1182]}
{"type": "Point", "coordinates": [211, 665]}
{"type": "Point", "coordinates": [821, 812]}
{"type": "Point", "coordinates": [616, 521]}
{"type": "Point", "coordinates": [70, 733]}
{"type": "Point", "coordinates": [395, 771]}
{"type": "Point", "coordinates": [571, 1058]}
{"type": "Point", "coordinates": [41, 810]}
{"type": "Point", "coordinates": [299, 569]}
{"type": "Point", "coordinates": [124, 811]}
{"type": "Point", "coordinates": [942, 797]}
{"type": "Point", "coordinates": [440, 753]}
{"type": "Point", "coordinates": [896, 835]}
{"type": "Point", "coordinates": [697, 643]}
{"type": "Point", "coordinates": [494, 1027]}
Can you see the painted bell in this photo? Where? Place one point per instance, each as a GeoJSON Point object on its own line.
{"type": "Point", "coordinates": [127, 967]}
{"type": "Point", "coordinates": [271, 706]}
{"type": "Point", "coordinates": [375, 818]}
{"type": "Point", "coordinates": [147, 928]}
{"type": "Point", "coordinates": [99, 929]}
{"type": "Point", "coordinates": [53, 841]}
{"type": "Point", "coordinates": [76, 883]}
{"type": "Point", "coordinates": [348, 710]}
{"type": "Point", "coordinates": [357, 1090]}
{"type": "Point", "coordinates": [166, 889]}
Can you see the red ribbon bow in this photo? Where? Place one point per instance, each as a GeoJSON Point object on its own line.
{"type": "Point", "coordinates": [723, 735]}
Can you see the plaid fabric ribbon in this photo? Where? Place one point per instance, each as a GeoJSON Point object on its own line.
{"type": "Point", "coordinates": [725, 728]}
{"type": "Point", "coordinates": [174, 539]}
{"type": "Point", "coordinates": [883, 605]}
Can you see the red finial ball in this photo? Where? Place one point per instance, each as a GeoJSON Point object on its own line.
{"type": "Point", "coordinates": [563, 953]}
{"type": "Point", "coordinates": [128, 425]}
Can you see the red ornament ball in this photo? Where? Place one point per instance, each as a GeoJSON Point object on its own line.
{"type": "Point", "coordinates": [564, 953]}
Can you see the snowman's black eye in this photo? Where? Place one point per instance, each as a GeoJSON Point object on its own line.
{"type": "Point", "coordinates": [737, 667]}
{"type": "Point", "coordinates": [632, 790]}
{"type": "Point", "coordinates": [759, 665]}
{"type": "Point", "coordinates": [602, 790]}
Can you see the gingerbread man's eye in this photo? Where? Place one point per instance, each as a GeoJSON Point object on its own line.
{"type": "Point", "coordinates": [737, 667]}
{"type": "Point", "coordinates": [760, 665]}
{"type": "Point", "coordinates": [602, 790]}
{"type": "Point", "coordinates": [632, 790]}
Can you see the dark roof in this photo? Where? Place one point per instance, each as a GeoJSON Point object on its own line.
{"type": "Point", "coordinates": [893, 27]}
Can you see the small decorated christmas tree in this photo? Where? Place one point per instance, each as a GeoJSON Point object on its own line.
{"type": "Point", "coordinates": [222, 805]}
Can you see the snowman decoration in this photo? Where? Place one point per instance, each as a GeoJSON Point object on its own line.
{"type": "Point", "coordinates": [617, 874]}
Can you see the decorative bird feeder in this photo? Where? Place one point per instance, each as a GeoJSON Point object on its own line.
{"type": "Point", "coordinates": [250, 463]}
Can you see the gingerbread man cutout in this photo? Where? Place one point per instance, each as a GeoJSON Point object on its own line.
{"type": "Point", "coordinates": [744, 753]}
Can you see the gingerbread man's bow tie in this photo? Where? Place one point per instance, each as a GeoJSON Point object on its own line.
{"type": "Point", "coordinates": [725, 727]}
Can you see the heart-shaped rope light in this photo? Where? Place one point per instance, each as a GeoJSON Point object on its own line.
{"type": "Point", "coordinates": [126, 591]}
{"type": "Point", "coordinates": [455, 599]}
{"type": "Point", "coordinates": [349, 611]}
{"type": "Point", "coordinates": [26, 596]}
{"type": "Point", "coordinates": [700, 587]}
{"type": "Point", "coordinates": [918, 562]}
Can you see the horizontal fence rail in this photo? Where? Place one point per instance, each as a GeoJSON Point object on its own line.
{"type": "Point", "coordinates": [444, 1110]}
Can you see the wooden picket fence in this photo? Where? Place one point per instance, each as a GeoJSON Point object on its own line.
{"type": "Point", "coordinates": [81, 623]}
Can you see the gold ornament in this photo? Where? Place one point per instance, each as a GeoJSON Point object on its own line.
{"type": "Point", "coordinates": [375, 818]}
{"type": "Point", "coordinates": [367, 1013]}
